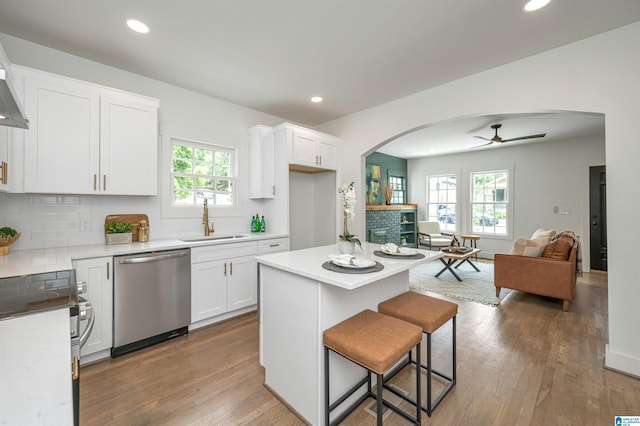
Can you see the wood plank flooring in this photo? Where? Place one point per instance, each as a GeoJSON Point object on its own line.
{"type": "Point", "coordinates": [523, 363]}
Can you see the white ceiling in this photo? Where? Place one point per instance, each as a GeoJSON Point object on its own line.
{"type": "Point", "coordinates": [458, 135]}
{"type": "Point", "coordinates": [273, 55]}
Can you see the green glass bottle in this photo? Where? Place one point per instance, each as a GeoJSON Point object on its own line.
{"type": "Point", "coordinates": [263, 226]}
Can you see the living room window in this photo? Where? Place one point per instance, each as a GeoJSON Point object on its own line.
{"type": "Point", "coordinates": [442, 193]}
{"type": "Point", "coordinates": [490, 202]}
{"type": "Point", "coordinates": [200, 171]}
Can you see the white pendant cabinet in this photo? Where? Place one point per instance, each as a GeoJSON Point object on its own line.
{"type": "Point", "coordinates": [87, 139]}
{"type": "Point", "coordinates": [223, 279]}
{"type": "Point", "coordinates": [98, 277]}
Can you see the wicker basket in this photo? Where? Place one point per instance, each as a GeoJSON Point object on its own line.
{"type": "Point", "coordinates": [5, 242]}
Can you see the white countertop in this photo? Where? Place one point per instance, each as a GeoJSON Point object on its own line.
{"type": "Point", "coordinates": [308, 263]}
{"type": "Point", "coordinates": [26, 262]}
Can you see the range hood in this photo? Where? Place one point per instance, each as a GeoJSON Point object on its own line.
{"type": "Point", "coordinates": [11, 112]}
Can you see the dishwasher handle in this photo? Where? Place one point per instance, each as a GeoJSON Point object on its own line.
{"type": "Point", "coordinates": [152, 258]}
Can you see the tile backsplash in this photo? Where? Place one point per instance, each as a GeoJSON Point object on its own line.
{"type": "Point", "coordinates": [47, 221]}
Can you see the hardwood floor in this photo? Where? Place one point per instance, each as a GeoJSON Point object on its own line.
{"type": "Point", "coordinates": [523, 363]}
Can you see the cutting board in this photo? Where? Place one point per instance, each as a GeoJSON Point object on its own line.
{"type": "Point", "coordinates": [133, 219]}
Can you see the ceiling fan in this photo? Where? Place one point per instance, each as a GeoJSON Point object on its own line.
{"type": "Point", "coordinates": [498, 140]}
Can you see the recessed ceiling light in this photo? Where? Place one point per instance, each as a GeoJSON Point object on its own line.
{"type": "Point", "coordinates": [316, 99]}
{"type": "Point", "coordinates": [137, 26]}
{"type": "Point", "coordinates": [2, 117]}
{"type": "Point", "coordinates": [535, 5]}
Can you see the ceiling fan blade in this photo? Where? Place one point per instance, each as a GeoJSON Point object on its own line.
{"type": "Point", "coordinates": [484, 144]}
{"type": "Point", "coordinates": [540, 135]}
{"type": "Point", "coordinates": [483, 138]}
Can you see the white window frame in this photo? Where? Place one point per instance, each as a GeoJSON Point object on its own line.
{"type": "Point", "coordinates": [455, 203]}
{"type": "Point", "coordinates": [508, 202]}
{"type": "Point", "coordinates": [170, 209]}
{"type": "Point", "coordinates": [399, 194]}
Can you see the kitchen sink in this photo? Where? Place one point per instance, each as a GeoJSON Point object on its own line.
{"type": "Point", "coordinates": [216, 238]}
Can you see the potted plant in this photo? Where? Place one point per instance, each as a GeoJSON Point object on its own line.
{"type": "Point", "coordinates": [118, 232]}
{"type": "Point", "coordinates": [347, 241]}
{"type": "Point", "coordinates": [8, 236]}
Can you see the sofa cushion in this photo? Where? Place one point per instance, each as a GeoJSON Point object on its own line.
{"type": "Point", "coordinates": [531, 248]}
{"type": "Point", "coordinates": [559, 249]}
{"type": "Point", "coordinates": [541, 233]}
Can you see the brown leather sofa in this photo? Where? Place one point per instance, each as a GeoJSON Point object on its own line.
{"type": "Point", "coordinates": [552, 275]}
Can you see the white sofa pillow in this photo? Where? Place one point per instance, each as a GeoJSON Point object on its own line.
{"type": "Point", "coordinates": [531, 248]}
{"type": "Point", "coordinates": [541, 233]}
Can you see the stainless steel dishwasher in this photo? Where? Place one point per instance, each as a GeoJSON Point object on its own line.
{"type": "Point", "coordinates": [151, 298]}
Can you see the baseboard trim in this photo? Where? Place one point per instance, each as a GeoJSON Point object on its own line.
{"type": "Point", "coordinates": [621, 363]}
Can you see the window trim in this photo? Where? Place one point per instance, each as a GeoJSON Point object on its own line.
{"type": "Point", "coordinates": [510, 201]}
{"type": "Point", "coordinates": [457, 228]}
{"type": "Point", "coordinates": [168, 209]}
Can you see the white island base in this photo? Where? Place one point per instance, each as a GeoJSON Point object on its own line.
{"type": "Point", "coordinates": [298, 301]}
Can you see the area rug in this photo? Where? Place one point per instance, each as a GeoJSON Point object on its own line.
{"type": "Point", "coordinates": [475, 286]}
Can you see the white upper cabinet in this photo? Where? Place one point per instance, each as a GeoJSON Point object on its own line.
{"type": "Point", "coordinates": [309, 150]}
{"type": "Point", "coordinates": [88, 139]}
{"type": "Point", "coordinates": [262, 162]}
{"type": "Point", "coordinates": [128, 145]}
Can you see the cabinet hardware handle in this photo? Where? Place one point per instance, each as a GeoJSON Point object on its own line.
{"type": "Point", "coordinates": [225, 269]}
{"type": "Point", "coordinates": [107, 270]}
{"type": "Point", "coordinates": [274, 245]}
{"type": "Point", "coordinates": [273, 190]}
{"type": "Point", "coordinates": [320, 159]}
{"type": "Point", "coordinates": [3, 176]}
{"type": "Point", "coordinates": [316, 159]}
{"type": "Point", "coordinates": [74, 368]}
{"type": "Point", "coordinates": [104, 182]}
{"type": "Point", "coordinates": [230, 268]}
{"type": "Point", "coordinates": [95, 182]}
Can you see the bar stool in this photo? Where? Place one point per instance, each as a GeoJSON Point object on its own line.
{"type": "Point", "coordinates": [375, 342]}
{"type": "Point", "coordinates": [430, 314]}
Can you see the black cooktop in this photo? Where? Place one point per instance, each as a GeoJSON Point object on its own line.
{"type": "Point", "coordinates": [33, 293]}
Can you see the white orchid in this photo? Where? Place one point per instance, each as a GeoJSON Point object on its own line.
{"type": "Point", "coordinates": [349, 207]}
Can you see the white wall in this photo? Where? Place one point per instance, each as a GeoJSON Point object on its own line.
{"type": "Point", "coordinates": [312, 209]}
{"type": "Point", "coordinates": [546, 174]}
{"type": "Point", "coordinates": [50, 221]}
{"type": "Point", "coordinates": [599, 74]}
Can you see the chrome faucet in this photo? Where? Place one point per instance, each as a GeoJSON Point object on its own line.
{"type": "Point", "coordinates": [205, 220]}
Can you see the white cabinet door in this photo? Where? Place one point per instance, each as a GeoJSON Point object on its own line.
{"type": "Point", "coordinates": [261, 162]}
{"type": "Point", "coordinates": [208, 290]}
{"type": "Point", "coordinates": [97, 274]}
{"type": "Point", "coordinates": [128, 145]}
{"type": "Point", "coordinates": [303, 149]}
{"type": "Point", "coordinates": [242, 282]}
{"type": "Point", "coordinates": [62, 143]}
{"type": "Point", "coordinates": [327, 152]}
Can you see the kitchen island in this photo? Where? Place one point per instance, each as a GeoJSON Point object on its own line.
{"type": "Point", "coordinates": [299, 299]}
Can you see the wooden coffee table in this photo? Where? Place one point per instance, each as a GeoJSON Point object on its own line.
{"type": "Point", "coordinates": [450, 260]}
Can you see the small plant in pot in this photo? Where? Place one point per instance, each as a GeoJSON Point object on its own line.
{"type": "Point", "coordinates": [8, 236]}
{"type": "Point", "coordinates": [118, 232]}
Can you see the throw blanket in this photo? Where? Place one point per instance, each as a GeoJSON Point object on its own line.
{"type": "Point", "coordinates": [575, 238]}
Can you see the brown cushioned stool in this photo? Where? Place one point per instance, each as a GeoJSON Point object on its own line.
{"type": "Point", "coordinates": [375, 342]}
{"type": "Point", "coordinates": [430, 314]}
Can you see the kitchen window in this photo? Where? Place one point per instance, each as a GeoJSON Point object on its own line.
{"type": "Point", "coordinates": [198, 171]}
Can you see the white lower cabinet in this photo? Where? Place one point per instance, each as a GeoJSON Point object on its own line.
{"type": "Point", "coordinates": [97, 274]}
{"type": "Point", "coordinates": [223, 279]}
